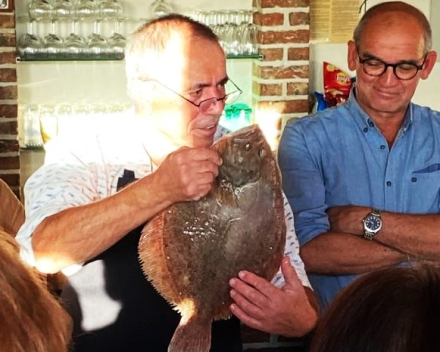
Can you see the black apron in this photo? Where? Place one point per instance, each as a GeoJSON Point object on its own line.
{"type": "Point", "coordinates": [145, 322]}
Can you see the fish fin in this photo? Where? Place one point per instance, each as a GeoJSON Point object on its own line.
{"type": "Point", "coordinates": [192, 336]}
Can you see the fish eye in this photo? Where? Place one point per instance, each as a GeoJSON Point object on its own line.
{"type": "Point", "coordinates": [262, 153]}
{"type": "Point", "coordinates": [248, 147]}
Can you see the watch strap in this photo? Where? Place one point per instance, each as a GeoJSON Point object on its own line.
{"type": "Point", "coordinates": [369, 234]}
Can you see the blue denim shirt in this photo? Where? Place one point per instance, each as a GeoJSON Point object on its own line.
{"type": "Point", "coordinates": [338, 157]}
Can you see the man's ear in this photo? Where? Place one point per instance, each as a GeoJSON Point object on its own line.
{"type": "Point", "coordinates": [352, 55]}
{"type": "Point", "coordinates": [430, 61]}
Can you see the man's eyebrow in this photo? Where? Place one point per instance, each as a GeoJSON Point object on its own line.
{"type": "Point", "coordinates": [368, 56]}
{"type": "Point", "coordinates": [205, 85]}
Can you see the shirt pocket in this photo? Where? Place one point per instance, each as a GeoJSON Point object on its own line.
{"type": "Point", "coordinates": [425, 189]}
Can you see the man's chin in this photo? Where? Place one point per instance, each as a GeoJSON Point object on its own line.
{"type": "Point", "coordinates": [203, 137]}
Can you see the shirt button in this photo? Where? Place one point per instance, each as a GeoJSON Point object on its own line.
{"type": "Point", "coordinates": [366, 129]}
{"type": "Point", "coordinates": [389, 183]}
{"type": "Point", "coordinates": [382, 147]}
{"type": "Point", "coordinates": [371, 124]}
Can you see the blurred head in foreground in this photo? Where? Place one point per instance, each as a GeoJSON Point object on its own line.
{"type": "Point", "coordinates": [32, 320]}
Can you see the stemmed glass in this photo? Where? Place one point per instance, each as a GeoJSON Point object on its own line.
{"type": "Point", "coordinates": [29, 45]}
{"type": "Point", "coordinates": [116, 43]}
{"type": "Point", "coordinates": [159, 8]}
{"type": "Point", "coordinates": [40, 10]}
{"type": "Point", "coordinates": [97, 44]}
{"type": "Point", "coordinates": [215, 20]}
{"type": "Point", "coordinates": [53, 44]}
{"type": "Point", "coordinates": [110, 9]}
{"type": "Point", "coordinates": [62, 10]}
{"type": "Point", "coordinates": [231, 35]}
{"type": "Point", "coordinates": [74, 44]}
{"type": "Point", "coordinates": [86, 9]}
{"type": "Point", "coordinates": [48, 123]}
{"type": "Point", "coordinates": [31, 125]}
{"type": "Point", "coordinates": [248, 35]}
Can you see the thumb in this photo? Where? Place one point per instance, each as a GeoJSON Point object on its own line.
{"type": "Point", "coordinates": [290, 276]}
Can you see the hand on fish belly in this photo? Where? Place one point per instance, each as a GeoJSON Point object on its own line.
{"type": "Point", "coordinates": [259, 304]}
{"type": "Point", "coordinates": [188, 173]}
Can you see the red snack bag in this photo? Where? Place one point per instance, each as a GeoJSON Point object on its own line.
{"type": "Point", "coordinates": [337, 85]}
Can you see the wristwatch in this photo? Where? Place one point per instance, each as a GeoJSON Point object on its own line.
{"type": "Point", "coordinates": [372, 224]}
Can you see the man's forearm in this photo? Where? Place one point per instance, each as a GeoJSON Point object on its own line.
{"type": "Point", "coordinates": [78, 234]}
{"type": "Point", "coordinates": [415, 234]}
{"type": "Point", "coordinates": [344, 254]}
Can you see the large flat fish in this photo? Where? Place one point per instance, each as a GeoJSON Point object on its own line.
{"type": "Point", "coordinates": [191, 250]}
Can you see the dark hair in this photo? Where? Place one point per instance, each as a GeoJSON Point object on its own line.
{"type": "Point", "coordinates": [390, 310]}
{"type": "Point", "coordinates": [395, 7]}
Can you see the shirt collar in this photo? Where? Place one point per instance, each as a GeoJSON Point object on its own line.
{"type": "Point", "coordinates": [364, 121]}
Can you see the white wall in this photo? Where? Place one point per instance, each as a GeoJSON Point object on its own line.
{"type": "Point", "coordinates": [428, 92]}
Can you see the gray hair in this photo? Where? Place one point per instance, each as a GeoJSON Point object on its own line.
{"type": "Point", "coordinates": [395, 7]}
{"type": "Point", "coordinates": [146, 45]}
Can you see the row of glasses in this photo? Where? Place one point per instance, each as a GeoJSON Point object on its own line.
{"type": "Point", "coordinates": [43, 10]}
{"type": "Point", "coordinates": [235, 29]}
{"type": "Point", "coordinates": [72, 46]}
{"type": "Point", "coordinates": [39, 123]}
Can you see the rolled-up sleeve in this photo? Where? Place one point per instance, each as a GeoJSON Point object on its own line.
{"type": "Point", "coordinates": [303, 183]}
{"type": "Point", "coordinates": [56, 186]}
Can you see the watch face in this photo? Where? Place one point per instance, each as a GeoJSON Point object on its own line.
{"type": "Point", "coordinates": [373, 223]}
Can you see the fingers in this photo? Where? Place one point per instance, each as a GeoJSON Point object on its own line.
{"type": "Point", "coordinates": [290, 276]}
{"type": "Point", "coordinates": [206, 154]}
{"type": "Point", "coordinates": [189, 173]}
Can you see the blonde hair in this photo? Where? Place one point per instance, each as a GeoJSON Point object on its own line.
{"type": "Point", "coordinates": [32, 320]}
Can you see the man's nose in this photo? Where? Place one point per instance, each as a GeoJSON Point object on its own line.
{"type": "Point", "coordinates": [217, 106]}
{"type": "Point", "coordinates": [389, 77]}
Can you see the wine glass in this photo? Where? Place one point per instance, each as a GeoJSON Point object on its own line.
{"type": "Point", "coordinates": [53, 44]}
{"type": "Point", "coordinates": [62, 10]}
{"type": "Point", "coordinates": [97, 44]}
{"type": "Point", "coordinates": [116, 43]}
{"type": "Point", "coordinates": [110, 9]}
{"type": "Point", "coordinates": [31, 125]}
{"type": "Point", "coordinates": [40, 10]}
{"type": "Point", "coordinates": [29, 45]}
{"type": "Point", "coordinates": [231, 35]}
{"type": "Point", "coordinates": [74, 45]}
{"type": "Point", "coordinates": [86, 9]}
{"type": "Point", "coordinates": [48, 123]}
{"type": "Point", "coordinates": [248, 35]}
{"type": "Point", "coordinates": [159, 8]}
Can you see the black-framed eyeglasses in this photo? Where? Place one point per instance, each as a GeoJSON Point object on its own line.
{"type": "Point", "coordinates": [402, 70]}
{"type": "Point", "coordinates": [205, 105]}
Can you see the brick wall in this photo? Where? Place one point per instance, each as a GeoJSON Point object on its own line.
{"type": "Point", "coordinates": [281, 79]}
{"type": "Point", "coordinates": [9, 148]}
{"type": "Point", "coordinates": [280, 92]}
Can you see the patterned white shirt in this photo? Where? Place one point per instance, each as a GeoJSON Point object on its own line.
{"type": "Point", "coordinates": [84, 170]}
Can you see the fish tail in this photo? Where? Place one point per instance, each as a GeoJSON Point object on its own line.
{"type": "Point", "coordinates": [192, 336]}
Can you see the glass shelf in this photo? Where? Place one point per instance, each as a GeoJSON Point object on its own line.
{"type": "Point", "coordinates": [119, 58]}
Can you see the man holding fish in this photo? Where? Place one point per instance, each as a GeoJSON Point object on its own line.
{"type": "Point", "coordinates": [87, 205]}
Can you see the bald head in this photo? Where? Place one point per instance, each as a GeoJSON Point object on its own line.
{"type": "Point", "coordinates": [394, 14]}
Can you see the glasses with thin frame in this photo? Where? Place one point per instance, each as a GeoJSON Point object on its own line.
{"type": "Point", "coordinates": [404, 70]}
{"type": "Point", "coordinates": [205, 105]}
